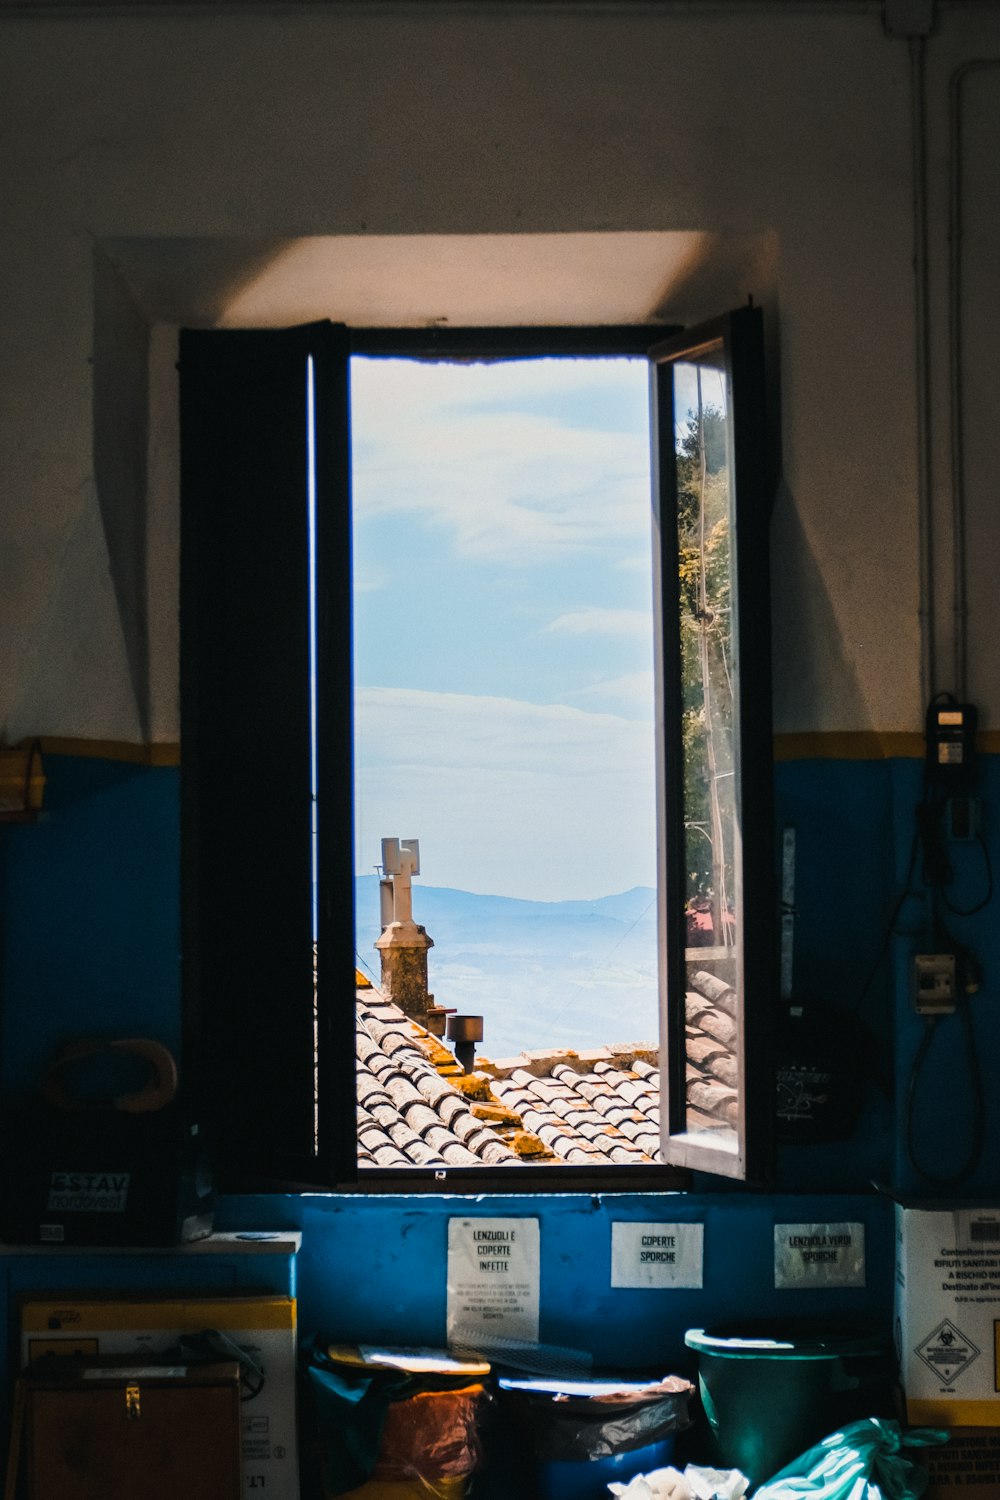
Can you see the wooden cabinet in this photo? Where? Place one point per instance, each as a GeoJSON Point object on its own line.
{"type": "Point", "coordinates": [117, 1430]}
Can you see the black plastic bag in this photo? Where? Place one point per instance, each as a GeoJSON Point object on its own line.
{"type": "Point", "coordinates": [573, 1428]}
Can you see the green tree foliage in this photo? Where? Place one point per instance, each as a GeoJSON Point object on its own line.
{"type": "Point", "coordinates": [704, 564]}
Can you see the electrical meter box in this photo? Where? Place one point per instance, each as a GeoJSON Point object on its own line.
{"type": "Point", "coordinates": [948, 1314]}
{"type": "Point", "coordinates": [104, 1151]}
{"type": "Point", "coordinates": [122, 1428]}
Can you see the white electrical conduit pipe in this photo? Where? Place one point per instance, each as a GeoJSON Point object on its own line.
{"type": "Point", "coordinates": [925, 509]}
{"type": "Point", "coordinates": [955, 205]}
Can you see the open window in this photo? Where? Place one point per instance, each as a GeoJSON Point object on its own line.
{"type": "Point", "coordinates": [716, 892]}
{"type": "Point", "coordinates": [268, 749]}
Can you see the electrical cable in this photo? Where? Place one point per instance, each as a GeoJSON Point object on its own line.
{"type": "Point", "coordinates": [891, 930]}
{"type": "Point", "coordinates": [978, 1128]}
{"type": "Point", "coordinates": [937, 868]}
{"type": "Point", "coordinates": [968, 977]}
{"type": "Point", "coordinates": [612, 951]}
{"type": "Point", "coordinates": [908, 892]}
{"type": "Point", "coordinates": [929, 854]}
{"type": "Point", "coordinates": [363, 964]}
{"type": "Point", "coordinates": [970, 911]}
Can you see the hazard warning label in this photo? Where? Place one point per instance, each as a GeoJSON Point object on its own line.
{"type": "Point", "coordinates": [947, 1352]}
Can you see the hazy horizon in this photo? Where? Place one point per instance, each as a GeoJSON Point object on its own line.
{"type": "Point", "coordinates": [576, 973]}
{"type": "Point", "coordinates": [420, 884]}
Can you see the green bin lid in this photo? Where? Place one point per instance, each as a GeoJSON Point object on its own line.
{"type": "Point", "coordinates": [785, 1341]}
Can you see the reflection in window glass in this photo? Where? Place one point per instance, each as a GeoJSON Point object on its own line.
{"type": "Point", "coordinates": [708, 669]}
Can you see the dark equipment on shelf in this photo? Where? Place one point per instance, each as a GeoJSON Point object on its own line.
{"type": "Point", "coordinates": [129, 1169]}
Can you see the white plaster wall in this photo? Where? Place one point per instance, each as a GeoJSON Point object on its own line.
{"type": "Point", "coordinates": [980, 326]}
{"type": "Point", "coordinates": [430, 121]}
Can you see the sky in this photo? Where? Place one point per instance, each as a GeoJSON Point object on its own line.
{"type": "Point", "coordinates": [503, 622]}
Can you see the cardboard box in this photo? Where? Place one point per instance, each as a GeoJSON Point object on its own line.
{"type": "Point", "coordinates": [967, 1467]}
{"type": "Point", "coordinates": [948, 1315]}
{"type": "Point", "coordinates": [263, 1328]}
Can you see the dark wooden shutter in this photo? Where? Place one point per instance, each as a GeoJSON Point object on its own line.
{"type": "Point", "coordinates": [252, 1030]}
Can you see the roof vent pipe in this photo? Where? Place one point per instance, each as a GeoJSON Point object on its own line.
{"type": "Point", "coordinates": [465, 1032]}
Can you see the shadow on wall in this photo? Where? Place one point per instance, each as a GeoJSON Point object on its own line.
{"type": "Point", "coordinates": [121, 439]}
{"type": "Point", "coordinates": [191, 281]}
{"type": "Point", "coordinates": [720, 272]}
{"type": "Point", "coordinates": [811, 669]}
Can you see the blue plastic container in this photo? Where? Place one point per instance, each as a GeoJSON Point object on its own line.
{"type": "Point", "coordinates": [586, 1433]}
{"type": "Point", "coordinates": [564, 1479]}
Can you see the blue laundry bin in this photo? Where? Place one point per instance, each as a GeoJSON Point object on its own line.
{"type": "Point", "coordinates": [585, 1433]}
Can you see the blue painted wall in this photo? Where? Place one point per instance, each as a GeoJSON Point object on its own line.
{"type": "Point", "coordinates": [90, 916]}
{"type": "Point", "coordinates": [855, 823]}
{"type": "Point", "coordinates": [375, 1268]}
{"type": "Point", "coordinates": [90, 942]}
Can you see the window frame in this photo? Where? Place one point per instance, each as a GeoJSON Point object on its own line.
{"type": "Point", "coordinates": [232, 1075]}
{"type": "Point", "coordinates": [740, 336]}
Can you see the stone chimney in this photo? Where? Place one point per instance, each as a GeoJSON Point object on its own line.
{"type": "Point", "coordinates": [403, 945]}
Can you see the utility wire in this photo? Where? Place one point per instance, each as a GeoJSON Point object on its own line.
{"type": "Point", "coordinates": [937, 875]}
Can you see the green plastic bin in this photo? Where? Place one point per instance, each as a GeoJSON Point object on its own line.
{"type": "Point", "coordinates": [770, 1393]}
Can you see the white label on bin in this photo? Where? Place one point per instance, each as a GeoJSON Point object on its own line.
{"type": "Point", "coordinates": [493, 1280]}
{"type": "Point", "coordinates": [808, 1256]}
{"type": "Point", "coordinates": [651, 1255]}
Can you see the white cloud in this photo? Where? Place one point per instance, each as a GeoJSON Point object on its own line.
{"type": "Point", "coordinates": [632, 624]}
{"type": "Point", "coordinates": [636, 562]}
{"type": "Point", "coordinates": [370, 577]}
{"type": "Point", "coordinates": [513, 798]}
{"type": "Point", "coordinates": [630, 695]}
{"type": "Point", "coordinates": [507, 483]}
{"type": "Point", "coordinates": [508, 486]}
{"type": "Point", "coordinates": [420, 389]}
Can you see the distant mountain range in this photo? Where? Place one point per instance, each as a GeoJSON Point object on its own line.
{"type": "Point", "coordinates": [541, 973]}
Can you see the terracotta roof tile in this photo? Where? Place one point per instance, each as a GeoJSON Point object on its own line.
{"type": "Point", "coordinates": [584, 1116]}
{"type": "Point", "coordinates": [597, 1106]}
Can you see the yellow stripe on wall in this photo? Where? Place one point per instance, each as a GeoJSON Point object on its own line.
{"type": "Point", "coordinates": [863, 744]}
{"type": "Point", "coordinates": [849, 744]}
{"type": "Point", "coordinates": [866, 744]}
{"type": "Point", "coordinates": [163, 753]}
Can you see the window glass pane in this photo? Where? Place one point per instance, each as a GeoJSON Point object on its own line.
{"type": "Point", "coordinates": [703, 457]}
